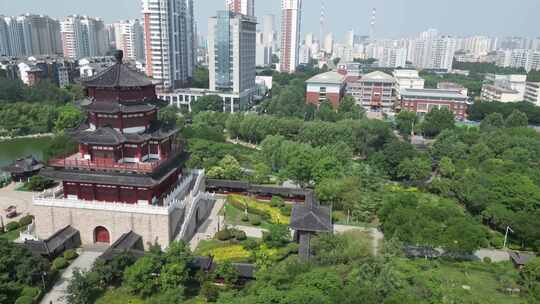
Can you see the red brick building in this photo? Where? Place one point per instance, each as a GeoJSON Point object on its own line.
{"type": "Point", "coordinates": [327, 86]}
{"type": "Point", "coordinates": [422, 101]}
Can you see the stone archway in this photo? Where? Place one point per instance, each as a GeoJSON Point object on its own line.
{"type": "Point", "coordinates": [102, 235]}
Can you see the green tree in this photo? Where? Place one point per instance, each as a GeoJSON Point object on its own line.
{"type": "Point", "coordinates": [446, 167]}
{"type": "Point", "coordinates": [231, 168]}
{"type": "Point", "coordinates": [405, 122]}
{"type": "Point", "coordinates": [228, 273]}
{"type": "Point", "coordinates": [416, 170]}
{"type": "Point", "coordinates": [201, 78]}
{"type": "Point", "coordinates": [463, 236]}
{"type": "Point", "coordinates": [208, 103]}
{"type": "Point", "coordinates": [143, 277]}
{"type": "Point", "coordinates": [438, 120]}
{"type": "Point", "coordinates": [277, 236]}
{"type": "Point", "coordinates": [492, 122]}
{"type": "Point", "coordinates": [69, 117]}
{"type": "Point", "coordinates": [82, 288]}
{"type": "Point", "coordinates": [171, 116]}
{"type": "Point", "coordinates": [348, 109]}
{"type": "Point", "coordinates": [517, 119]}
{"type": "Point", "coordinates": [326, 112]}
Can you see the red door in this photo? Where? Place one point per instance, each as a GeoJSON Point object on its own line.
{"type": "Point", "coordinates": [101, 235]}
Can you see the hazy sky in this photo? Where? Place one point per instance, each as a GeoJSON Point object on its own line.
{"type": "Point", "coordinates": [395, 18]}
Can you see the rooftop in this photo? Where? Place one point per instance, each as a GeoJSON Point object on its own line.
{"type": "Point", "coordinates": [118, 75]}
{"type": "Point", "coordinates": [433, 93]}
{"type": "Point", "coordinates": [311, 217]}
{"type": "Point", "coordinates": [22, 165]}
{"type": "Point", "coordinates": [327, 78]}
{"type": "Point", "coordinates": [499, 89]}
{"type": "Point", "coordinates": [378, 76]}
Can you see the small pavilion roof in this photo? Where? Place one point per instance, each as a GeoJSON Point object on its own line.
{"type": "Point", "coordinates": [311, 217]}
{"type": "Point", "coordinates": [22, 165]}
{"type": "Point", "coordinates": [118, 75]}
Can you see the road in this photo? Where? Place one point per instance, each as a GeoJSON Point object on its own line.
{"type": "Point", "coordinates": [21, 199]}
{"type": "Point", "coordinates": [83, 262]}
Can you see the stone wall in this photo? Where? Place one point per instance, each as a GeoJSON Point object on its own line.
{"type": "Point", "coordinates": [151, 228]}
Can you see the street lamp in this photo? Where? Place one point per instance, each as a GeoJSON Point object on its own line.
{"type": "Point", "coordinates": [508, 229]}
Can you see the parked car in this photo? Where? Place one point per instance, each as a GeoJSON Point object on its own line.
{"type": "Point", "coordinates": [10, 208]}
{"type": "Point", "coordinates": [12, 214]}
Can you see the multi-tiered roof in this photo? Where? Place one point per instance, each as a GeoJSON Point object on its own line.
{"type": "Point", "coordinates": [125, 154]}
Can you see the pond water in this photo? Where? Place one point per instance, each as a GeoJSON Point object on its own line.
{"type": "Point", "coordinates": [17, 148]}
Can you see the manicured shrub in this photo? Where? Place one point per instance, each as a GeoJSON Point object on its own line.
{"type": "Point", "coordinates": [487, 260]}
{"type": "Point", "coordinates": [26, 220]}
{"type": "Point", "coordinates": [224, 235]}
{"type": "Point", "coordinates": [277, 202]}
{"type": "Point", "coordinates": [250, 244]}
{"type": "Point", "coordinates": [286, 210]}
{"type": "Point", "coordinates": [70, 254]}
{"type": "Point", "coordinates": [255, 221]}
{"type": "Point", "coordinates": [31, 292]}
{"type": "Point", "coordinates": [24, 300]}
{"type": "Point", "coordinates": [12, 226]}
{"type": "Point", "coordinates": [240, 235]}
{"type": "Point", "coordinates": [245, 218]}
{"type": "Point", "coordinates": [60, 263]}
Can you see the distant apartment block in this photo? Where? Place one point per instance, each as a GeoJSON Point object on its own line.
{"type": "Point", "coordinates": [28, 35]}
{"type": "Point", "coordinates": [291, 11]}
{"type": "Point", "coordinates": [422, 101]}
{"type": "Point", "coordinates": [129, 37]}
{"type": "Point", "coordinates": [329, 86]}
{"type": "Point", "coordinates": [532, 92]}
{"type": "Point", "coordinates": [232, 55]}
{"type": "Point", "coordinates": [84, 36]}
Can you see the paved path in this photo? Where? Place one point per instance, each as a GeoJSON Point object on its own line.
{"type": "Point", "coordinates": [495, 255]}
{"type": "Point", "coordinates": [58, 292]}
{"type": "Point", "coordinates": [252, 232]}
{"type": "Point", "coordinates": [209, 228]}
{"type": "Point", "coordinates": [376, 235]}
{"type": "Point", "coordinates": [20, 199]}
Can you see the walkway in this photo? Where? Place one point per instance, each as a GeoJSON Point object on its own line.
{"type": "Point", "coordinates": [83, 262]}
{"type": "Point", "coordinates": [252, 232]}
{"type": "Point", "coordinates": [376, 235]}
{"type": "Point", "coordinates": [209, 228]}
{"type": "Point", "coordinates": [20, 199]}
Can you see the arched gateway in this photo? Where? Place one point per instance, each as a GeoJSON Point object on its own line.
{"type": "Point", "coordinates": [101, 235]}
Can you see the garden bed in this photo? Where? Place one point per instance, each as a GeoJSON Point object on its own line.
{"type": "Point", "coordinates": [259, 213]}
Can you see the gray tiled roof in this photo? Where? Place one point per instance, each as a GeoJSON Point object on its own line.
{"type": "Point", "coordinates": [22, 165]}
{"type": "Point", "coordinates": [313, 218]}
{"type": "Point", "coordinates": [118, 75]}
{"type": "Point", "coordinates": [110, 136]}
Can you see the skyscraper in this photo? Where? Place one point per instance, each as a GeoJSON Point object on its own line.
{"type": "Point", "coordinates": [28, 34]}
{"type": "Point", "coordinates": [291, 11]}
{"type": "Point", "coordinates": [169, 40]}
{"type": "Point", "coordinates": [232, 56]}
{"type": "Point", "coordinates": [129, 37]}
{"type": "Point", "coordinates": [244, 7]}
{"type": "Point", "coordinates": [84, 36]}
{"type": "Point", "coordinates": [269, 30]}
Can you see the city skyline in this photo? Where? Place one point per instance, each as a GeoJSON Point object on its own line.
{"type": "Point", "coordinates": [395, 18]}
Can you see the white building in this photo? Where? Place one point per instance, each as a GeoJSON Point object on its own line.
{"type": "Point", "coordinates": [504, 88]}
{"type": "Point", "coordinates": [184, 98]}
{"type": "Point", "coordinates": [129, 37]}
{"type": "Point", "coordinates": [305, 54]}
{"type": "Point", "coordinates": [83, 36]}
{"type": "Point", "coordinates": [170, 41]}
{"type": "Point", "coordinates": [519, 58]}
{"type": "Point", "coordinates": [269, 29]}
{"type": "Point", "coordinates": [408, 79]}
{"type": "Point", "coordinates": [28, 35]}
{"type": "Point", "coordinates": [328, 45]}
{"type": "Point", "coordinates": [232, 55]}
{"type": "Point", "coordinates": [393, 58]}
{"type": "Point", "coordinates": [432, 52]}
{"type": "Point", "coordinates": [478, 46]}
{"type": "Point", "coordinates": [532, 92]}
{"type": "Point", "coordinates": [264, 51]}
{"type": "Point", "coordinates": [244, 7]}
{"type": "Point", "coordinates": [291, 11]}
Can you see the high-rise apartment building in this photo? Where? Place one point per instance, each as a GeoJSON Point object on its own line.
{"type": "Point", "coordinates": [232, 56]}
{"type": "Point", "coordinates": [169, 39]}
{"type": "Point", "coordinates": [291, 17]}
{"type": "Point", "coordinates": [244, 7]}
{"type": "Point", "coordinates": [269, 29]}
{"type": "Point", "coordinates": [84, 36]}
{"type": "Point", "coordinates": [129, 37]}
{"type": "Point", "coordinates": [264, 51]}
{"type": "Point", "coordinates": [29, 34]}
{"type": "Point", "coordinates": [431, 51]}
{"type": "Point", "coordinates": [328, 45]}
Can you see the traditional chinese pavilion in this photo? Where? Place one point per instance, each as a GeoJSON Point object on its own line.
{"type": "Point", "coordinates": [127, 175]}
{"type": "Point", "coordinates": [125, 154]}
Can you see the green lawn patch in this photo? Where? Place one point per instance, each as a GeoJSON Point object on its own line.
{"type": "Point", "coordinates": [119, 296]}
{"type": "Point", "coordinates": [12, 235]}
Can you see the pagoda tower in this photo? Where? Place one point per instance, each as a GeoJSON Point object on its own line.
{"type": "Point", "coordinates": [128, 173]}
{"type": "Point", "coordinates": [125, 154]}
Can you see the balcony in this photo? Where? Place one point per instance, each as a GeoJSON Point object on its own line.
{"type": "Point", "coordinates": [77, 161]}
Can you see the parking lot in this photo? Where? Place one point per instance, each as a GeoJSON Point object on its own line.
{"type": "Point", "coordinates": [20, 199]}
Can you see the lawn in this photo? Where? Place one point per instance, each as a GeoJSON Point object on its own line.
{"type": "Point", "coordinates": [119, 296]}
{"type": "Point", "coordinates": [12, 235]}
{"type": "Point", "coordinates": [472, 282]}
{"type": "Point", "coordinates": [275, 214]}
{"type": "Point", "coordinates": [223, 251]}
